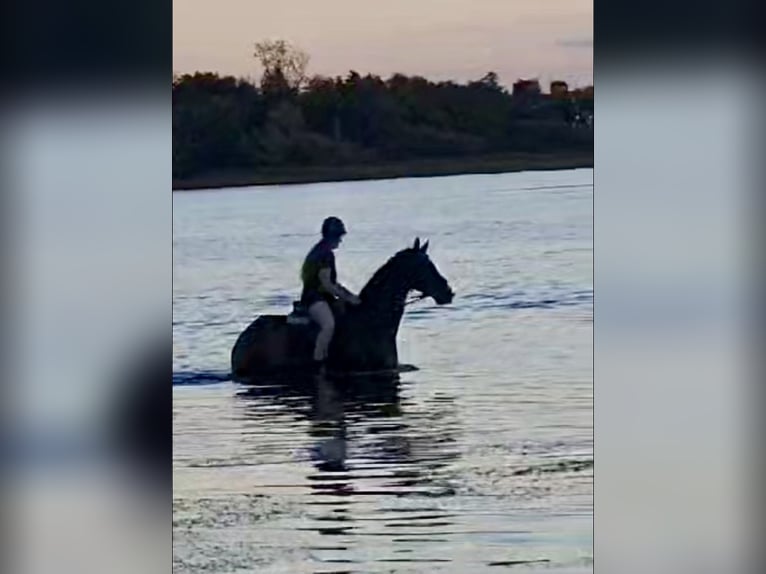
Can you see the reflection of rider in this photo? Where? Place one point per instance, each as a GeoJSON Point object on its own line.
{"type": "Point", "coordinates": [329, 426]}
{"type": "Point", "coordinates": [321, 287]}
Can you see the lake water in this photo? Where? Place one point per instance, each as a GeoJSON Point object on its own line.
{"type": "Point", "coordinates": [480, 461]}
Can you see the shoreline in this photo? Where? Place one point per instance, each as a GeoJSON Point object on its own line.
{"type": "Point", "coordinates": [507, 163]}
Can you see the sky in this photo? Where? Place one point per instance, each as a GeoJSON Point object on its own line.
{"type": "Point", "coordinates": [457, 40]}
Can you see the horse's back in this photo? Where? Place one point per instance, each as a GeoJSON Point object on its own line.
{"type": "Point", "coordinates": [272, 343]}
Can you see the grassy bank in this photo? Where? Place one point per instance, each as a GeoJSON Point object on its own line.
{"type": "Point", "coordinates": [413, 168]}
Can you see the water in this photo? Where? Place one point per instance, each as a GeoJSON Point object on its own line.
{"type": "Point", "coordinates": [481, 460]}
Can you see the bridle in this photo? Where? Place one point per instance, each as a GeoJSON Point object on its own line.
{"type": "Point", "coordinates": [415, 299]}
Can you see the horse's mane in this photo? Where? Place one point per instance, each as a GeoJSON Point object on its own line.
{"type": "Point", "coordinates": [383, 273]}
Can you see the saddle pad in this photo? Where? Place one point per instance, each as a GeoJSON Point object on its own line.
{"type": "Point", "coordinates": [299, 315]}
{"type": "Point", "coordinates": [298, 319]}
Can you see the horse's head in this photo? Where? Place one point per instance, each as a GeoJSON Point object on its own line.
{"type": "Point", "coordinates": [424, 276]}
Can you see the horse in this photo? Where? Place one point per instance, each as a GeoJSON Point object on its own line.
{"type": "Point", "coordinates": [365, 335]}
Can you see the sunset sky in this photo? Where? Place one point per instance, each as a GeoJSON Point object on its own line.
{"type": "Point", "coordinates": [439, 39]}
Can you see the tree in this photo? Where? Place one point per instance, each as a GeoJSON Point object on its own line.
{"type": "Point", "coordinates": [222, 123]}
{"type": "Point", "coordinates": [284, 65]}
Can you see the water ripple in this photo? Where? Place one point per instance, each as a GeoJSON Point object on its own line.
{"type": "Point", "coordinates": [480, 461]}
{"type": "Point", "coordinates": [200, 378]}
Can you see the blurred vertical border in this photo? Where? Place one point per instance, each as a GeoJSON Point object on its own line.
{"type": "Point", "coordinates": [85, 136]}
{"type": "Point", "coordinates": [677, 334]}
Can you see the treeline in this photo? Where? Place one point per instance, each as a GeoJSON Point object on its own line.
{"type": "Point", "coordinates": [224, 123]}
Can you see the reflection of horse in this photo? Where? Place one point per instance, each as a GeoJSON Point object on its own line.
{"type": "Point", "coordinates": [372, 404]}
{"type": "Point", "coordinates": [325, 403]}
{"type": "Point", "coordinates": [299, 391]}
{"type": "Point", "coordinates": [365, 336]}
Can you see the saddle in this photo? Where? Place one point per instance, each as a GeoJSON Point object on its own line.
{"type": "Point", "coordinates": [299, 315]}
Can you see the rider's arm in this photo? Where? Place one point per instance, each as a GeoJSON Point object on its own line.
{"type": "Point", "coordinates": [345, 291]}
{"type": "Point", "coordinates": [325, 277]}
{"type": "Point", "coordinates": [350, 297]}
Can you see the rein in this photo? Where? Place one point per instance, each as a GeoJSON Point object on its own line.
{"type": "Point", "coordinates": [415, 299]}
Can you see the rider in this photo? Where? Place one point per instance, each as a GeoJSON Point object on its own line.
{"type": "Point", "coordinates": [320, 285]}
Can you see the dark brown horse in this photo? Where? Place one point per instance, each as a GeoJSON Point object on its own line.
{"type": "Point", "coordinates": [365, 336]}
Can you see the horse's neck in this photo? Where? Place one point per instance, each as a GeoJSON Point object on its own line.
{"type": "Point", "coordinates": [384, 299]}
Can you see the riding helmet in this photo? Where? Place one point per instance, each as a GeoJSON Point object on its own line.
{"type": "Point", "coordinates": [333, 228]}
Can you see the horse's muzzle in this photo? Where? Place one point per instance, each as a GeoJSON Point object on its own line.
{"type": "Point", "coordinates": [446, 299]}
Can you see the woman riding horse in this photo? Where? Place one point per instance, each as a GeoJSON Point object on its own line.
{"type": "Point", "coordinates": [363, 339]}
{"type": "Point", "coordinates": [321, 289]}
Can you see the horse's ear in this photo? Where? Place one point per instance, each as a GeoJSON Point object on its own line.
{"type": "Point", "coordinates": [424, 249]}
{"type": "Point", "coordinates": [416, 247]}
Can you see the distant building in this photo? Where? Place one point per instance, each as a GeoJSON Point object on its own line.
{"type": "Point", "coordinates": [582, 93]}
{"type": "Point", "coordinates": [559, 90]}
{"type": "Point", "coordinates": [526, 88]}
